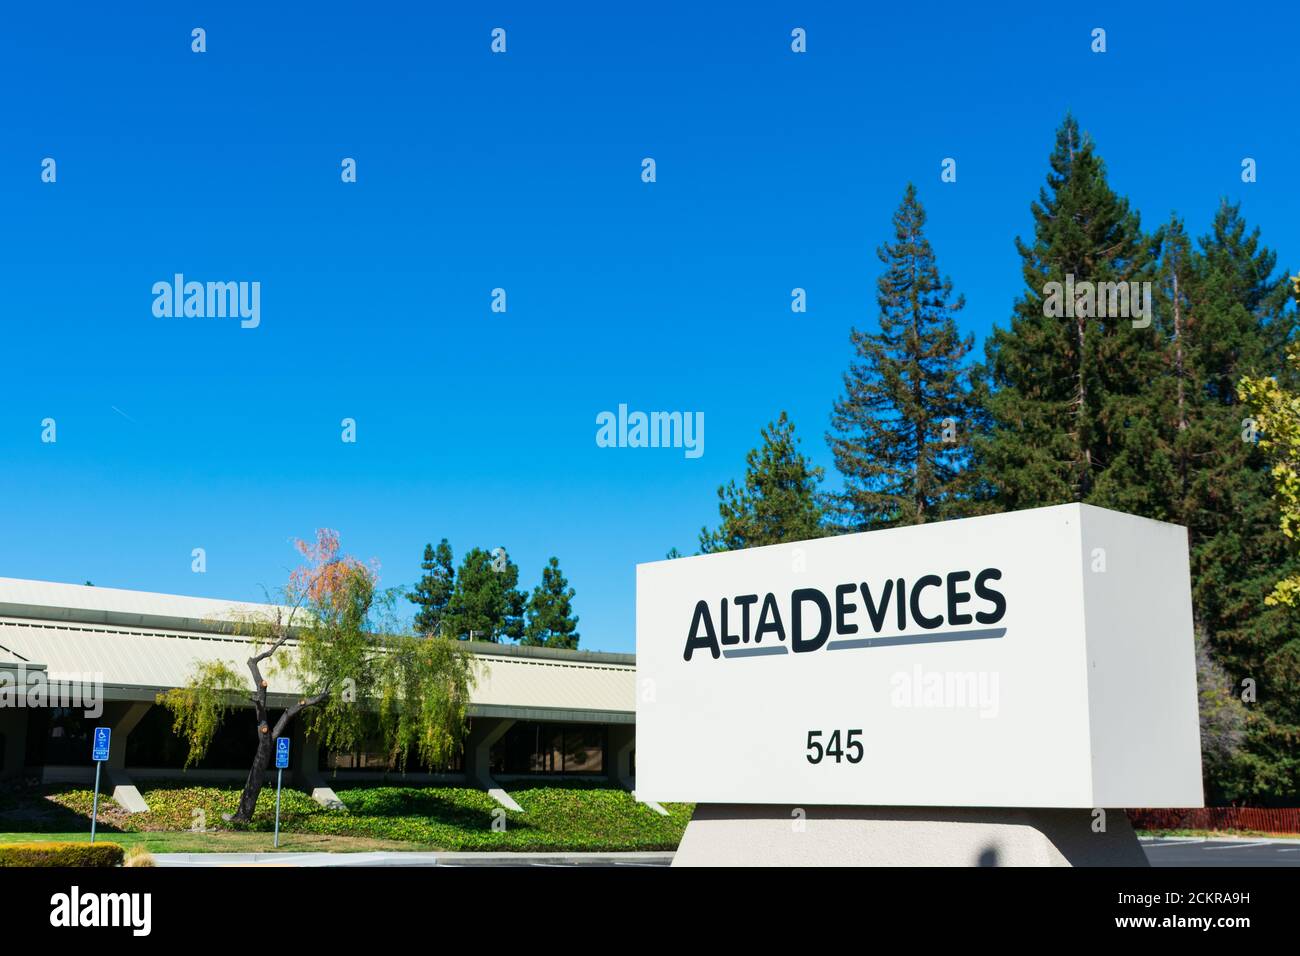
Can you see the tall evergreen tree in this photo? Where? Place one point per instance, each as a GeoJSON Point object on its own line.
{"type": "Point", "coordinates": [1275, 411]}
{"type": "Point", "coordinates": [1147, 420]}
{"type": "Point", "coordinates": [486, 604]}
{"type": "Point", "coordinates": [778, 502]}
{"type": "Point", "coordinates": [1221, 314]}
{"type": "Point", "coordinates": [1236, 324]}
{"type": "Point", "coordinates": [1071, 417]}
{"type": "Point", "coordinates": [1179, 271]}
{"type": "Point", "coordinates": [1182, 395]}
{"type": "Point", "coordinates": [1272, 767]}
{"type": "Point", "coordinates": [900, 432]}
{"type": "Point", "coordinates": [551, 621]}
{"type": "Point", "coordinates": [434, 590]}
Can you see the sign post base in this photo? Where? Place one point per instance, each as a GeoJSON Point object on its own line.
{"type": "Point", "coordinates": [722, 834]}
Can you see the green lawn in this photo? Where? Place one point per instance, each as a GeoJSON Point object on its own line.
{"type": "Point", "coordinates": [569, 818]}
{"type": "Point", "coordinates": [1211, 834]}
{"type": "Point", "coordinates": [222, 841]}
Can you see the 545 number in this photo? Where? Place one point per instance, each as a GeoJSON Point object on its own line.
{"type": "Point", "coordinates": [851, 750]}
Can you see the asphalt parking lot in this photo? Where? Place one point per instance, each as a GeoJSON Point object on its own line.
{"type": "Point", "coordinates": [1199, 851]}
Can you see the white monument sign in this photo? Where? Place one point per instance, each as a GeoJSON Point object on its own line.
{"type": "Point", "coordinates": [1040, 658]}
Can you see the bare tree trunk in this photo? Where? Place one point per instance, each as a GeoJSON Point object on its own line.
{"type": "Point", "coordinates": [1178, 358]}
{"type": "Point", "coordinates": [921, 486]}
{"type": "Point", "coordinates": [266, 742]}
{"type": "Point", "coordinates": [262, 758]}
{"type": "Point", "coordinates": [265, 735]}
{"type": "Point", "coordinates": [1085, 453]}
{"type": "Point", "coordinates": [256, 776]}
{"type": "Point", "coordinates": [1178, 339]}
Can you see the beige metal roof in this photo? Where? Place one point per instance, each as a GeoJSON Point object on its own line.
{"type": "Point", "coordinates": [121, 657]}
{"type": "Point", "coordinates": [156, 660]}
{"type": "Point", "coordinates": [52, 601]}
{"type": "Point", "coordinates": [9, 659]}
{"type": "Point", "coordinates": [513, 683]}
{"type": "Point", "coordinates": [86, 635]}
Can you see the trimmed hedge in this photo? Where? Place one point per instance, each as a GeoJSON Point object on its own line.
{"type": "Point", "coordinates": [60, 854]}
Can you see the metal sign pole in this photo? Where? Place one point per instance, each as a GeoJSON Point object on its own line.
{"type": "Point", "coordinates": [94, 811]}
{"type": "Point", "coordinates": [279, 778]}
{"type": "Point", "coordinates": [281, 761]}
{"type": "Point", "coordinates": [99, 751]}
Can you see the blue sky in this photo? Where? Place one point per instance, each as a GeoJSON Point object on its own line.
{"type": "Point", "coordinates": [522, 171]}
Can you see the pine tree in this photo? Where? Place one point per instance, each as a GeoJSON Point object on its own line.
{"type": "Point", "coordinates": [1179, 270]}
{"type": "Point", "coordinates": [434, 589]}
{"type": "Point", "coordinates": [1237, 327]}
{"type": "Point", "coordinates": [778, 502]}
{"type": "Point", "coordinates": [1219, 327]}
{"type": "Point", "coordinates": [551, 621]}
{"type": "Point", "coordinates": [900, 433]}
{"type": "Point", "coordinates": [1071, 417]}
{"type": "Point", "coordinates": [1276, 414]}
{"type": "Point", "coordinates": [1272, 768]}
{"type": "Point", "coordinates": [486, 604]}
{"type": "Point", "coordinates": [1147, 420]}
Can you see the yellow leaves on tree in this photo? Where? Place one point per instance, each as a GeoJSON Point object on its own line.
{"type": "Point", "coordinates": [1277, 420]}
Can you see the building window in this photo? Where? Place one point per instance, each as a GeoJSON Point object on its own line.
{"type": "Point", "coordinates": [371, 755]}
{"type": "Point", "coordinates": [531, 747]}
{"type": "Point", "coordinates": [68, 738]}
{"type": "Point", "coordinates": [154, 744]}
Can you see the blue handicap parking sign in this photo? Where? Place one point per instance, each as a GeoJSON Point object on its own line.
{"type": "Point", "coordinates": [99, 750]}
{"type": "Point", "coordinates": [281, 753]}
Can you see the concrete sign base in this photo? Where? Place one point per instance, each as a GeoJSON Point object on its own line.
{"type": "Point", "coordinates": [762, 835]}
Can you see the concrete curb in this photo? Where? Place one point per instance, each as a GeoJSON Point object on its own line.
{"type": "Point", "coordinates": [1220, 839]}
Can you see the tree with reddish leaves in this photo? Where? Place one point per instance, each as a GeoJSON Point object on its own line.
{"type": "Point", "coordinates": [333, 639]}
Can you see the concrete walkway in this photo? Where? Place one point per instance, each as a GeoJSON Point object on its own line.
{"type": "Point", "coordinates": [1160, 851]}
{"type": "Point", "coordinates": [401, 858]}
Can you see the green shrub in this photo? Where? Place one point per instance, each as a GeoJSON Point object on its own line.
{"type": "Point", "coordinates": [571, 816]}
{"type": "Point", "coordinates": [60, 854]}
